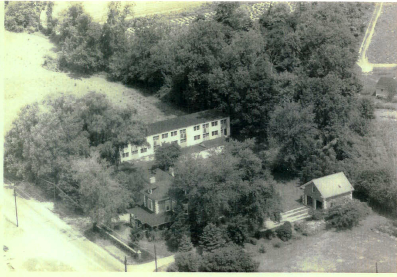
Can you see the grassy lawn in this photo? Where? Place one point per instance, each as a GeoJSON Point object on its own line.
{"type": "Point", "coordinates": [356, 250]}
{"type": "Point", "coordinates": [290, 194]}
{"type": "Point", "coordinates": [384, 43]}
{"type": "Point", "coordinates": [26, 81]}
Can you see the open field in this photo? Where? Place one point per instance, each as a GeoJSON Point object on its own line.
{"type": "Point", "coordinates": [384, 42]}
{"type": "Point", "coordinates": [98, 9]}
{"type": "Point", "coordinates": [26, 81]}
{"type": "Point", "coordinates": [357, 250]}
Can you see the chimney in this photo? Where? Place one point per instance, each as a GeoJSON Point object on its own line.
{"type": "Point", "coordinates": [153, 180]}
{"type": "Point", "coordinates": [172, 172]}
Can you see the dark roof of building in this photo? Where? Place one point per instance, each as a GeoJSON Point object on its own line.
{"type": "Point", "coordinates": [149, 218]}
{"type": "Point", "coordinates": [387, 82]}
{"type": "Point", "coordinates": [184, 121]}
{"type": "Point", "coordinates": [160, 187]}
{"type": "Point", "coordinates": [332, 185]}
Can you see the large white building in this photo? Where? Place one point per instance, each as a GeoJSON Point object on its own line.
{"type": "Point", "coordinates": [189, 130]}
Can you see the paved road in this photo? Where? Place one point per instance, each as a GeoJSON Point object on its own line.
{"type": "Point", "coordinates": [43, 242]}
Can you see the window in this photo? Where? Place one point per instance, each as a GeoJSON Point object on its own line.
{"type": "Point", "coordinates": [206, 135]}
{"type": "Point", "coordinates": [156, 138]}
{"type": "Point", "coordinates": [197, 137]}
{"type": "Point", "coordinates": [183, 135]}
{"type": "Point", "coordinates": [214, 123]}
{"type": "Point", "coordinates": [164, 135]}
{"type": "Point", "coordinates": [123, 155]}
{"type": "Point", "coordinates": [143, 150]}
{"type": "Point", "coordinates": [223, 121]}
{"type": "Point", "coordinates": [167, 205]}
{"type": "Point", "coordinates": [174, 133]}
{"type": "Point", "coordinates": [134, 152]}
{"type": "Point", "coordinates": [225, 132]}
{"type": "Point", "coordinates": [214, 133]}
{"type": "Point", "coordinates": [149, 191]}
{"type": "Point", "coordinates": [196, 128]}
{"type": "Point", "coordinates": [127, 154]}
{"type": "Point", "coordinates": [206, 125]}
{"type": "Point", "coordinates": [150, 204]}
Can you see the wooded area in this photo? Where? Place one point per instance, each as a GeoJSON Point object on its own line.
{"type": "Point", "coordinates": [287, 81]}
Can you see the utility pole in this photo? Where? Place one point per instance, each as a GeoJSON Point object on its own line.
{"type": "Point", "coordinates": [125, 263]}
{"type": "Point", "coordinates": [155, 257]}
{"type": "Point", "coordinates": [16, 208]}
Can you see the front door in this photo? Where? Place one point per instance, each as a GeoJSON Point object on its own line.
{"type": "Point", "coordinates": [319, 205]}
{"type": "Point", "coordinates": [309, 200]}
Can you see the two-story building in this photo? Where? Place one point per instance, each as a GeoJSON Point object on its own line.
{"type": "Point", "coordinates": [189, 130]}
{"type": "Point", "coordinates": [156, 206]}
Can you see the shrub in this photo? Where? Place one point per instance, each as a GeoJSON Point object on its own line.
{"type": "Point", "coordinates": [185, 244]}
{"type": "Point", "coordinates": [253, 241]}
{"type": "Point", "coordinates": [187, 262]}
{"type": "Point", "coordinates": [269, 234]}
{"type": "Point", "coordinates": [317, 214]}
{"type": "Point", "coordinates": [212, 238]}
{"type": "Point", "coordinates": [348, 215]}
{"type": "Point", "coordinates": [301, 227]}
{"type": "Point", "coordinates": [262, 249]}
{"type": "Point", "coordinates": [136, 235]}
{"type": "Point", "coordinates": [228, 259]}
{"type": "Point", "coordinates": [284, 232]}
{"type": "Point", "coordinates": [277, 244]}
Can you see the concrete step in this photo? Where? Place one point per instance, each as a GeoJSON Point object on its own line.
{"type": "Point", "coordinates": [296, 210]}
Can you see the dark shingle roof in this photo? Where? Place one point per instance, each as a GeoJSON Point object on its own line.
{"type": "Point", "coordinates": [160, 187]}
{"type": "Point", "coordinates": [184, 121]}
{"type": "Point", "coordinates": [150, 219]}
{"type": "Point", "coordinates": [388, 83]}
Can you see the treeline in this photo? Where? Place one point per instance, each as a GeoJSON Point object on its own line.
{"type": "Point", "coordinates": [75, 143]}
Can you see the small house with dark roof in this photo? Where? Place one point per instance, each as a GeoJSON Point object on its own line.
{"type": "Point", "coordinates": [325, 192]}
{"type": "Point", "coordinates": [155, 208]}
{"type": "Point", "coordinates": [386, 86]}
{"type": "Point", "coordinates": [189, 130]}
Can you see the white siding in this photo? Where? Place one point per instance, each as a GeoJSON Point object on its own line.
{"type": "Point", "coordinates": [190, 141]}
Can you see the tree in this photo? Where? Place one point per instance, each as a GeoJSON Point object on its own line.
{"type": "Point", "coordinates": [292, 128]}
{"type": "Point", "coordinates": [101, 197]}
{"type": "Point", "coordinates": [348, 215]}
{"type": "Point", "coordinates": [185, 244]}
{"type": "Point", "coordinates": [228, 259]}
{"type": "Point", "coordinates": [20, 16]}
{"type": "Point", "coordinates": [225, 185]}
{"type": "Point", "coordinates": [187, 262]}
{"type": "Point", "coordinates": [166, 155]}
{"type": "Point", "coordinates": [212, 238]}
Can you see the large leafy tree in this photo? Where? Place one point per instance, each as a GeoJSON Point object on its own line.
{"type": "Point", "coordinates": [46, 138]}
{"type": "Point", "coordinates": [226, 185]}
{"type": "Point", "coordinates": [101, 196]}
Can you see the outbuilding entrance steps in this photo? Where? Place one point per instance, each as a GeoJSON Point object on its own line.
{"type": "Point", "coordinates": [291, 216]}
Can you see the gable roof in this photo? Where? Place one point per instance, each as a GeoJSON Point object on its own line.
{"type": "Point", "coordinates": [387, 82]}
{"type": "Point", "coordinates": [161, 186]}
{"type": "Point", "coordinates": [184, 121]}
{"type": "Point", "coordinates": [332, 185]}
